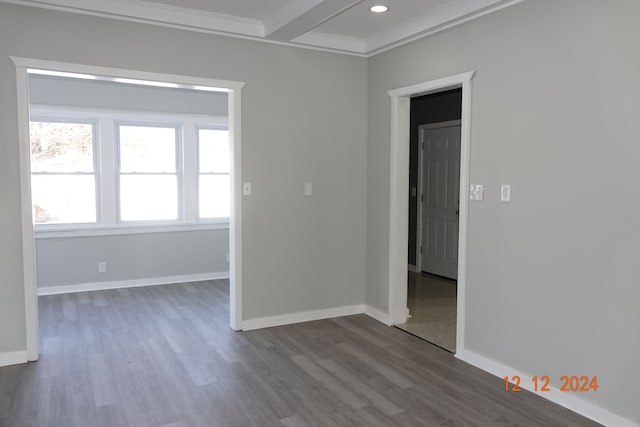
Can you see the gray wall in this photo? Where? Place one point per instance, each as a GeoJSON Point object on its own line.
{"type": "Point", "coordinates": [552, 284]}
{"type": "Point", "coordinates": [304, 120]}
{"type": "Point", "coordinates": [50, 90]}
{"type": "Point", "coordinates": [70, 261]}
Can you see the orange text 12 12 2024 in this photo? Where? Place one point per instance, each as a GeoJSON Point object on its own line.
{"type": "Point", "coordinates": [568, 383]}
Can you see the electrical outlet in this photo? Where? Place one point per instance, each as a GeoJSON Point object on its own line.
{"type": "Point", "coordinates": [102, 267]}
{"type": "Point", "coordinates": [308, 189]}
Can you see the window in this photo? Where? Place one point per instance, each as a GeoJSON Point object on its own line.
{"type": "Point", "coordinates": [148, 173]}
{"type": "Point", "coordinates": [110, 169]}
{"type": "Point", "coordinates": [213, 173]}
{"type": "Point", "coordinates": [63, 182]}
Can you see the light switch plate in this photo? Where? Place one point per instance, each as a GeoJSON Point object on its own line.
{"type": "Point", "coordinates": [476, 192]}
{"type": "Point", "coordinates": [505, 193]}
{"type": "Point", "coordinates": [308, 189]}
{"type": "Point", "coordinates": [246, 189]}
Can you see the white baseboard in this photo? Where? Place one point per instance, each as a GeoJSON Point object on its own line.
{"type": "Point", "coordinates": [413, 268]}
{"type": "Point", "coordinates": [136, 283]}
{"type": "Point", "coordinates": [380, 316]}
{"type": "Point", "coordinates": [13, 358]}
{"type": "Point", "coordinates": [304, 316]}
{"type": "Point", "coordinates": [568, 400]}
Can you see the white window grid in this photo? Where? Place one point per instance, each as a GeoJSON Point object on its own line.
{"type": "Point", "coordinates": [106, 168]}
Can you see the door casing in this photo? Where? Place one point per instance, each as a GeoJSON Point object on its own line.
{"type": "Point", "coordinates": [233, 89]}
{"type": "Point", "coordinates": [399, 192]}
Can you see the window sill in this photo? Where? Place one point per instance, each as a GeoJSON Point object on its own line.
{"type": "Point", "coordinates": [127, 230]}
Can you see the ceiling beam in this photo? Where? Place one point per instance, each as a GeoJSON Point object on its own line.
{"type": "Point", "coordinates": [302, 16]}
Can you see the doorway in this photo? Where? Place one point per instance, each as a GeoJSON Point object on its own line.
{"type": "Point", "coordinates": [401, 194]}
{"type": "Point", "coordinates": [233, 90]}
{"type": "Point", "coordinates": [434, 200]}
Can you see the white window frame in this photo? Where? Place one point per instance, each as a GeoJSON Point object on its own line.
{"type": "Point", "coordinates": [200, 127]}
{"type": "Point", "coordinates": [106, 170]}
{"type": "Point", "coordinates": [179, 171]}
{"type": "Point", "coordinates": [76, 119]}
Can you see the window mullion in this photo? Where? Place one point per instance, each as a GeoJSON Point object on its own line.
{"type": "Point", "coordinates": [189, 171]}
{"type": "Point", "coordinates": [107, 170]}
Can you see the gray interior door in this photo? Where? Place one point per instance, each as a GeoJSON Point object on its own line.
{"type": "Point", "coordinates": [440, 197]}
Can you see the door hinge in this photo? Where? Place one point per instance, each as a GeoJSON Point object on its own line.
{"type": "Point", "coordinates": [422, 197]}
{"type": "Point", "coordinates": [423, 145]}
{"type": "Point", "coordinates": [420, 249]}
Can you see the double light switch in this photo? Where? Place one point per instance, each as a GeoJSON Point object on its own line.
{"type": "Point", "coordinates": [476, 192]}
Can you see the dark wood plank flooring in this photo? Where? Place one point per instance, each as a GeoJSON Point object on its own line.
{"type": "Point", "coordinates": [165, 356]}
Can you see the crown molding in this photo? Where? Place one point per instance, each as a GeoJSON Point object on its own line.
{"type": "Point", "coordinates": [351, 45]}
{"type": "Point", "coordinates": [146, 11]}
{"type": "Point", "coordinates": [446, 16]}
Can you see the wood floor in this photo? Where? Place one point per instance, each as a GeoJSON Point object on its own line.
{"type": "Point", "coordinates": [165, 356]}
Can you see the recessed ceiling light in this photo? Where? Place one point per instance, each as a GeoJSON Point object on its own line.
{"type": "Point", "coordinates": [378, 9]}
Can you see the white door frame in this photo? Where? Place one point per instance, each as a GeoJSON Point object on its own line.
{"type": "Point", "coordinates": [28, 236]}
{"type": "Point", "coordinates": [419, 189]}
{"type": "Point", "coordinates": [399, 191]}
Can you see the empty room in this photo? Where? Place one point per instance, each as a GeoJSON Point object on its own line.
{"type": "Point", "coordinates": [212, 213]}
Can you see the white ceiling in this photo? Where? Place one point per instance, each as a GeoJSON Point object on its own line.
{"type": "Point", "coordinates": [345, 26]}
{"type": "Point", "coordinates": [252, 9]}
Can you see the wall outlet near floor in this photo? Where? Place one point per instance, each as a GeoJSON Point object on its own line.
{"type": "Point", "coordinates": [102, 267]}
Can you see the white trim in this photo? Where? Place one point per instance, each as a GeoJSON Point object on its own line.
{"type": "Point", "coordinates": [567, 400]}
{"type": "Point", "coordinates": [13, 358]}
{"type": "Point", "coordinates": [123, 72]}
{"type": "Point", "coordinates": [134, 283]}
{"type": "Point", "coordinates": [379, 315]}
{"type": "Point", "coordinates": [336, 43]}
{"type": "Point", "coordinates": [73, 112]}
{"type": "Point", "coordinates": [28, 238]}
{"type": "Point", "coordinates": [235, 225]}
{"type": "Point", "coordinates": [160, 14]}
{"type": "Point", "coordinates": [398, 208]}
{"type": "Point", "coordinates": [399, 191]}
{"type": "Point", "coordinates": [304, 316]}
{"type": "Point", "coordinates": [126, 230]}
{"type": "Point", "coordinates": [414, 268]}
{"type": "Point", "coordinates": [308, 316]}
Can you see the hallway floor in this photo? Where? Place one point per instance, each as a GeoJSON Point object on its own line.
{"type": "Point", "coordinates": [432, 305]}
